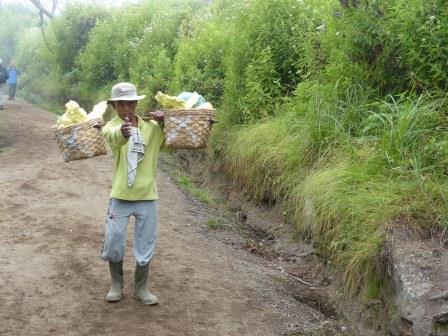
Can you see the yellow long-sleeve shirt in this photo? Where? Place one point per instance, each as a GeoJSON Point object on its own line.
{"type": "Point", "coordinates": [144, 187]}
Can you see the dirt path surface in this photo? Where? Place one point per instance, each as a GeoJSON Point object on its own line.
{"type": "Point", "coordinates": [52, 281]}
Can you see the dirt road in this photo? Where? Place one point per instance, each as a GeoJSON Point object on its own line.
{"type": "Point", "coordinates": [52, 281]}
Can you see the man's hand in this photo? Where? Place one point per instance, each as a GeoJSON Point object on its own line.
{"type": "Point", "coordinates": [126, 128]}
{"type": "Point", "coordinates": [158, 116]}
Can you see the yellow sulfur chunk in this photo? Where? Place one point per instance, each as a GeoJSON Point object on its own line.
{"type": "Point", "coordinates": [169, 102]}
{"type": "Point", "coordinates": [73, 115]}
{"type": "Point", "coordinates": [98, 111]}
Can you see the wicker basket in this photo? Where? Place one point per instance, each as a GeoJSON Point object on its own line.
{"type": "Point", "coordinates": [81, 141]}
{"type": "Point", "coordinates": [188, 128]}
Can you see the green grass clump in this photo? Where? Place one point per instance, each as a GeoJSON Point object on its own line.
{"type": "Point", "coordinates": [373, 288]}
{"type": "Point", "coordinates": [215, 224]}
{"type": "Point", "coordinates": [262, 155]}
{"type": "Point", "coordinates": [345, 180]}
{"type": "Point", "coordinates": [200, 194]}
{"type": "Point", "coordinates": [349, 210]}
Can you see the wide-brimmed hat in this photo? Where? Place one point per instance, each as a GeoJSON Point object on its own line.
{"type": "Point", "coordinates": [124, 91]}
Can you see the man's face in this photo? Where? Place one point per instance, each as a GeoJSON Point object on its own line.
{"type": "Point", "coordinates": [126, 108]}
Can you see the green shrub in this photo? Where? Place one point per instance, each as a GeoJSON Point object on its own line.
{"type": "Point", "coordinates": [266, 56]}
{"type": "Point", "coordinates": [421, 30]}
{"type": "Point", "coordinates": [71, 32]}
{"type": "Point", "coordinates": [390, 46]}
{"type": "Point", "coordinates": [15, 19]}
{"type": "Point", "coordinates": [332, 159]}
{"type": "Point", "coordinates": [199, 64]}
{"type": "Point", "coordinates": [155, 53]}
{"type": "Point", "coordinates": [135, 45]}
{"type": "Point", "coordinates": [410, 133]}
{"type": "Point", "coordinates": [38, 82]}
{"type": "Point", "coordinates": [359, 48]}
{"type": "Point", "coordinates": [107, 55]}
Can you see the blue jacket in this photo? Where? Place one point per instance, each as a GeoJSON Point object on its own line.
{"type": "Point", "coordinates": [13, 74]}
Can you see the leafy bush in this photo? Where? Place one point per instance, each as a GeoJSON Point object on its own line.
{"type": "Point", "coordinates": [155, 53]}
{"type": "Point", "coordinates": [71, 31]}
{"type": "Point", "coordinates": [38, 81]}
{"type": "Point", "coordinates": [199, 63]}
{"type": "Point", "coordinates": [136, 46]}
{"type": "Point", "coordinates": [266, 56]}
{"type": "Point", "coordinates": [15, 19]}
{"type": "Point", "coordinates": [391, 46]}
{"type": "Point", "coordinates": [410, 132]}
{"type": "Point", "coordinates": [421, 30]}
{"type": "Point", "coordinates": [107, 55]}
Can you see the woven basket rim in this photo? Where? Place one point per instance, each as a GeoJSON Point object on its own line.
{"type": "Point", "coordinates": [188, 111]}
{"type": "Point", "coordinates": [83, 124]}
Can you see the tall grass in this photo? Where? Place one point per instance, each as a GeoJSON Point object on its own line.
{"type": "Point", "coordinates": [410, 133]}
{"type": "Point", "coordinates": [347, 213]}
{"type": "Point", "coordinates": [263, 156]}
{"type": "Point", "coordinates": [345, 170]}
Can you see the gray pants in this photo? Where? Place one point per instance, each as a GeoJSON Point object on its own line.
{"type": "Point", "coordinates": [145, 230]}
{"type": "Point", "coordinates": [2, 86]}
{"type": "Point", "coordinates": [12, 90]}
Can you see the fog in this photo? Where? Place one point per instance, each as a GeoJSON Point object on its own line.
{"type": "Point", "coordinates": [61, 3]}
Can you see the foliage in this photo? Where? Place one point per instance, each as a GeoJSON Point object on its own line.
{"type": "Point", "coordinates": [362, 44]}
{"type": "Point", "coordinates": [266, 56]}
{"type": "Point", "coordinates": [37, 79]}
{"type": "Point", "coordinates": [107, 56]}
{"type": "Point", "coordinates": [199, 61]}
{"type": "Point", "coordinates": [71, 31]}
{"type": "Point", "coordinates": [332, 169]}
{"type": "Point", "coordinates": [201, 194]}
{"type": "Point", "coordinates": [421, 34]}
{"type": "Point", "coordinates": [15, 18]}
{"type": "Point", "coordinates": [143, 48]}
{"type": "Point", "coordinates": [215, 223]}
{"type": "Point", "coordinates": [392, 46]}
{"type": "Point", "coordinates": [411, 133]}
{"type": "Point", "coordinates": [153, 67]}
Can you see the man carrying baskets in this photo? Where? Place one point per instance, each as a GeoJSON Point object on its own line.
{"type": "Point", "coordinates": [135, 144]}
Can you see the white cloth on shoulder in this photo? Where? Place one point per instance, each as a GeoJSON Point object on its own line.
{"type": "Point", "coordinates": [136, 152]}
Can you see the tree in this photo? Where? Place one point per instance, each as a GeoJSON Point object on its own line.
{"type": "Point", "coordinates": [43, 8]}
{"type": "Point", "coordinates": [15, 18]}
{"type": "Point", "coordinates": [44, 11]}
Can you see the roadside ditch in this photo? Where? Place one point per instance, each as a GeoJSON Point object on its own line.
{"type": "Point", "coordinates": [412, 303]}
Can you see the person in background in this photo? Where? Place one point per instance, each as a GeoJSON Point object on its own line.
{"type": "Point", "coordinates": [3, 79]}
{"type": "Point", "coordinates": [13, 74]}
{"type": "Point", "coordinates": [135, 145]}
